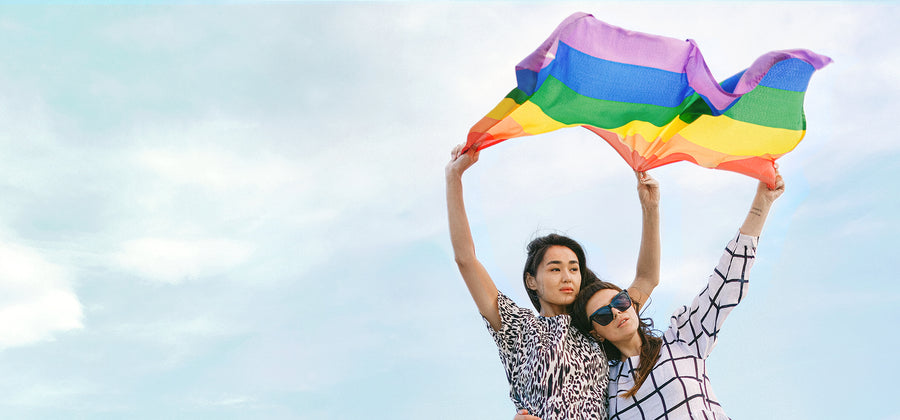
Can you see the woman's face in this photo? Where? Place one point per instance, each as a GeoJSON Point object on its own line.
{"type": "Point", "coordinates": [624, 324]}
{"type": "Point", "coordinates": [557, 278]}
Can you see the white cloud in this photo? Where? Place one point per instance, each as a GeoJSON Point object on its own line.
{"type": "Point", "coordinates": [210, 156]}
{"type": "Point", "coordinates": [227, 401]}
{"type": "Point", "coordinates": [174, 260]}
{"type": "Point", "coordinates": [37, 299]}
{"type": "Point", "coordinates": [35, 395]}
{"type": "Point", "coordinates": [867, 224]}
{"type": "Point", "coordinates": [154, 32]}
{"type": "Point", "coordinates": [175, 340]}
{"type": "Point", "coordinates": [218, 169]}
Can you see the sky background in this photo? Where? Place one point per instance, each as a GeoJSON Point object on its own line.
{"type": "Point", "coordinates": [237, 211]}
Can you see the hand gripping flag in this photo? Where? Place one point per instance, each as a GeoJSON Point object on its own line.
{"type": "Point", "coordinates": [654, 99]}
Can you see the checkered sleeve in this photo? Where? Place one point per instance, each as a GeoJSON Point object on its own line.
{"type": "Point", "coordinates": [698, 325]}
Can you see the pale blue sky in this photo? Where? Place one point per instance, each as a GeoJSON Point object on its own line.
{"type": "Point", "coordinates": [237, 211]}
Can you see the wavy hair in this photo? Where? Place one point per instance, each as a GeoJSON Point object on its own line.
{"type": "Point", "coordinates": [650, 338]}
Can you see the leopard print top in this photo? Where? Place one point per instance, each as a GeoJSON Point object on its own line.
{"type": "Point", "coordinates": [554, 371]}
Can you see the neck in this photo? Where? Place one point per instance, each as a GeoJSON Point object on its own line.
{"type": "Point", "coordinates": [549, 309]}
{"type": "Point", "coordinates": [629, 347]}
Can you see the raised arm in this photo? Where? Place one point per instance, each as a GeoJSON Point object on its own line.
{"type": "Point", "coordinates": [762, 202]}
{"type": "Point", "coordinates": [647, 275]}
{"type": "Point", "coordinates": [698, 325]}
{"type": "Point", "coordinates": [480, 285]}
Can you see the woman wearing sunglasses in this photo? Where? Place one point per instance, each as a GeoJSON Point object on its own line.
{"type": "Point", "coordinates": [665, 376]}
{"type": "Point", "coordinates": [552, 369]}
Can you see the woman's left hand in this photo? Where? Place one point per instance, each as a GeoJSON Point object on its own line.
{"type": "Point", "coordinates": [523, 415]}
{"type": "Point", "coordinates": [648, 189]}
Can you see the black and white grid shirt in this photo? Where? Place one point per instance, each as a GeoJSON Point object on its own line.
{"type": "Point", "coordinates": [554, 371]}
{"type": "Point", "coordinates": [678, 387]}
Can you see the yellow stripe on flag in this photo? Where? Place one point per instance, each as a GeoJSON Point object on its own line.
{"type": "Point", "coordinates": [733, 137]}
{"type": "Point", "coordinates": [534, 121]}
{"type": "Point", "coordinates": [502, 109]}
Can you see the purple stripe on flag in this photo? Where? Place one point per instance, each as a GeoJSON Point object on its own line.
{"type": "Point", "coordinates": [536, 60]}
{"type": "Point", "coordinates": [761, 66]}
{"type": "Point", "coordinates": [613, 43]}
{"type": "Point", "coordinates": [602, 40]}
{"type": "Point", "coordinates": [588, 35]}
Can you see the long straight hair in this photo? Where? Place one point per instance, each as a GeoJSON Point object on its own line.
{"type": "Point", "coordinates": [650, 339]}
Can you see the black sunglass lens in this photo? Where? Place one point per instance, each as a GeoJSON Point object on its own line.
{"type": "Point", "coordinates": [621, 302]}
{"type": "Point", "coordinates": [602, 317]}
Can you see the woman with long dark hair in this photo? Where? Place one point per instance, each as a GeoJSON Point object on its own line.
{"type": "Point", "coordinates": [664, 375]}
{"type": "Point", "coordinates": [552, 369]}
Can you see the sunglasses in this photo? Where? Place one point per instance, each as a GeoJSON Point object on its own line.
{"type": "Point", "coordinates": [604, 315]}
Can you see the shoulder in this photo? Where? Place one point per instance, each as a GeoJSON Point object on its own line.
{"type": "Point", "coordinates": [509, 308]}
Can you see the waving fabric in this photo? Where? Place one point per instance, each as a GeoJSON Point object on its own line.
{"type": "Point", "coordinates": [654, 99]}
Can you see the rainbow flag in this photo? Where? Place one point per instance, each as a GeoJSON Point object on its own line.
{"type": "Point", "coordinates": [654, 99]}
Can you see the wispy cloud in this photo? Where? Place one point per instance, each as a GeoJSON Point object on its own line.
{"type": "Point", "coordinates": [227, 401]}
{"type": "Point", "coordinates": [249, 200]}
{"type": "Point", "coordinates": [175, 260]}
{"type": "Point", "coordinates": [37, 298]}
{"type": "Point", "coordinates": [36, 395]}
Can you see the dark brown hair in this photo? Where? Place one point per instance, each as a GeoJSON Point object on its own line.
{"type": "Point", "coordinates": [536, 250]}
{"type": "Point", "coordinates": [650, 338]}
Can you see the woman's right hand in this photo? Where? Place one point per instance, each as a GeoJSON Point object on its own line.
{"type": "Point", "coordinates": [523, 415]}
{"type": "Point", "coordinates": [771, 193]}
{"type": "Point", "coordinates": [459, 161]}
{"type": "Point", "coordinates": [762, 202]}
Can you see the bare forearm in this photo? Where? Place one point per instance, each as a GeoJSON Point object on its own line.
{"type": "Point", "coordinates": [762, 203]}
{"type": "Point", "coordinates": [648, 264]}
{"type": "Point", "coordinates": [477, 279]}
{"type": "Point", "coordinates": [460, 233]}
{"type": "Point", "coordinates": [756, 217]}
